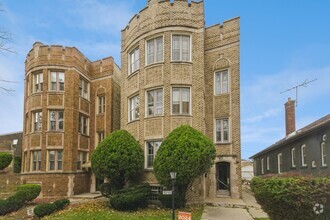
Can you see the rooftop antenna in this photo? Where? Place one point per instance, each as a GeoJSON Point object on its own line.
{"type": "Point", "coordinates": [296, 88]}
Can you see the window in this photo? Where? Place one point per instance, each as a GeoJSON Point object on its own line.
{"type": "Point", "coordinates": [181, 48]}
{"type": "Point", "coordinates": [56, 120]}
{"type": "Point", "coordinates": [221, 82]}
{"type": "Point", "coordinates": [134, 60]}
{"type": "Point", "coordinates": [101, 104]}
{"type": "Point", "coordinates": [83, 89]}
{"type": "Point", "coordinates": [36, 160]}
{"type": "Point", "coordinates": [83, 124]}
{"type": "Point", "coordinates": [155, 192]}
{"type": "Point", "coordinates": [55, 159]}
{"type": "Point", "coordinates": [303, 156]}
{"type": "Point", "coordinates": [267, 161]}
{"type": "Point", "coordinates": [155, 102]}
{"type": "Point", "coordinates": [37, 121]}
{"type": "Point", "coordinates": [293, 157]}
{"type": "Point", "coordinates": [134, 104]}
{"type": "Point", "coordinates": [152, 148]}
{"type": "Point", "coordinates": [38, 81]}
{"type": "Point", "coordinates": [279, 163]}
{"type": "Point", "coordinates": [56, 81]}
{"type": "Point", "coordinates": [155, 50]}
{"type": "Point", "coordinates": [100, 136]}
{"type": "Point", "coordinates": [181, 101]}
{"type": "Point", "coordinates": [222, 130]}
{"type": "Point", "coordinates": [262, 166]}
{"type": "Point", "coordinates": [323, 155]}
{"type": "Point", "coordinates": [81, 159]}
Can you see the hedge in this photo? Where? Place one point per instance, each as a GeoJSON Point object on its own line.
{"type": "Point", "coordinates": [5, 160]}
{"type": "Point", "coordinates": [48, 208]}
{"type": "Point", "coordinates": [17, 164]}
{"type": "Point", "coordinates": [131, 199]}
{"type": "Point", "coordinates": [293, 197]}
{"type": "Point", "coordinates": [24, 194]}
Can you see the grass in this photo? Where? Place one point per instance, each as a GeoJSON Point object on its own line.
{"type": "Point", "coordinates": [99, 210]}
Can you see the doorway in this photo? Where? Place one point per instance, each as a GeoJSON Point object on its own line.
{"type": "Point", "coordinates": [223, 178]}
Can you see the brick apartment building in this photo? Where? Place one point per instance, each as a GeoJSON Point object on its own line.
{"type": "Point", "coordinates": [174, 71]}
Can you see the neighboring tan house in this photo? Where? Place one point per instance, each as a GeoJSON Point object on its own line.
{"type": "Point", "coordinates": [174, 71]}
{"type": "Point", "coordinates": [177, 71]}
{"type": "Point", "coordinates": [11, 143]}
{"type": "Point", "coordinates": [247, 171]}
{"type": "Point", "coordinates": [304, 152]}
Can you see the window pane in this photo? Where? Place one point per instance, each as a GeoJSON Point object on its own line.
{"type": "Point", "coordinates": [217, 83]}
{"type": "Point", "coordinates": [61, 81]}
{"type": "Point", "coordinates": [60, 120]}
{"type": "Point", "coordinates": [159, 45]}
{"type": "Point", "coordinates": [185, 94]}
{"type": "Point", "coordinates": [225, 82]}
{"type": "Point", "coordinates": [176, 48]}
{"type": "Point", "coordinates": [185, 48]}
{"type": "Point", "coordinates": [150, 50]}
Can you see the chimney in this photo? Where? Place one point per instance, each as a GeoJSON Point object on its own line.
{"type": "Point", "coordinates": [290, 117]}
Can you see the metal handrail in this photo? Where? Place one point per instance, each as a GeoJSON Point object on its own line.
{"type": "Point", "coordinates": [223, 183]}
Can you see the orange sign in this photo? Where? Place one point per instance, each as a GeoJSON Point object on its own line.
{"type": "Point", "coordinates": [184, 216]}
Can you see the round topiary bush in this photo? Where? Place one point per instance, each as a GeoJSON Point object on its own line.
{"type": "Point", "coordinates": [61, 203]}
{"type": "Point", "coordinates": [44, 209]}
{"type": "Point", "coordinates": [119, 158]}
{"type": "Point", "coordinates": [30, 191]}
{"type": "Point", "coordinates": [5, 160]}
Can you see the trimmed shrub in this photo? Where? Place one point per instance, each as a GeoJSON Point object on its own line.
{"type": "Point", "coordinates": [118, 158]}
{"type": "Point", "coordinates": [292, 197]}
{"type": "Point", "coordinates": [44, 209]}
{"type": "Point", "coordinates": [105, 189]}
{"type": "Point", "coordinates": [166, 201]}
{"type": "Point", "coordinates": [32, 191]}
{"type": "Point", "coordinates": [5, 160]}
{"type": "Point", "coordinates": [61, 204]}
{"type": "Point", "coordinates": [17, 164]}
{"type": "Point", "coordinates": [24, 194]}
{"type": "Point", "coordinates": [131, 199]}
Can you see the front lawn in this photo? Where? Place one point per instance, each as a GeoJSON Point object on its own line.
{"type": "Point", "coordinates": [99, 210]}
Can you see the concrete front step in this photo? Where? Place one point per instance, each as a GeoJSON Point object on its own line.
{"type": "Point", "coordinates": [226, 203]}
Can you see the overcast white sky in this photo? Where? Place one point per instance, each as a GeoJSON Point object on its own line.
{"type": "Point", "coordinates": [282, 44]}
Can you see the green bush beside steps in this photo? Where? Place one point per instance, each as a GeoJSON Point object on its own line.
{"type": "Point", "coordinates": [293, 197]}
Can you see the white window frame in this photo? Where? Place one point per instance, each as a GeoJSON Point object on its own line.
{"type": "Point", "coordinates": [84, 88]}
{"type": "Point", "coordinates": [37, 82]}
{"type": "Point", "coordinates": [221, 87]}
{"type": "Point", "coordinates": [153, 106]}
{"type": "Point", "coordinates": [81, 159]}
{"type": "Point", "coordinates": [267, 163]}
{"type": "Point", "coordinates": [157, 55]}
{"type": "Point", "coordinates": [148, 156]}
{"type": "Point", "coordinates": [59, 85]}
{"type": "Point", "coordinates": [262, 166]}
{"type": "Point", "coordinates": [101, 104]}
{"type": "Point", "coordinates": [279, 163]}
{"type": "Point", "coordinates": [181, 48]}
{"type": "Point", "coordinates": [323, 155]}
{"type": "Point", "coordinates": [180, 101]}
{"type": "Point", "coordinates": [133, 60]}
{"type": "Point", "coordinates": [100, 136]}
{"type": "Point", "coordinates": [293, 157]}
{"type": "Point", "coordinates": [58, 160]}
{"type": "Point", "coordinates": [222, 130]}
{"type": "Point", "coordinates": [134, 108]}
{"type": "Point", "coordinates": [37, 121]}
{"type": "Point", "coordinates": [58, 121]}
{"type": "Point", "coordinates": [35, 158]}
{"type": "Point", "coordinates": [303, 155]}
{"type": "Point", "coordinates": [83, 124]}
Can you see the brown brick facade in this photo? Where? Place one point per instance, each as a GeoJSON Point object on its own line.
{"type": "Point", "coordinates": [102, 78]}
{"type": "Point", "coordinates": [213, 49]}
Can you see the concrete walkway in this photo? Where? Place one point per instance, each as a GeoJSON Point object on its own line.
{"type": "Point", "coordinates": [233, 209]}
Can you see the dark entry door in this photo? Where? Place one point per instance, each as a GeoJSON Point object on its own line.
{"type": "Point", "coordinates": [223, 176]}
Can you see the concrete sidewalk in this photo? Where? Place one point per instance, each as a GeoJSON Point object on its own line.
{"type": "Point", "coordinates": [234, 209]}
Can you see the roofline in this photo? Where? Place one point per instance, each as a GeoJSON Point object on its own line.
{"type": "Point", "coordinates": [11, 133]}
{"type": "Point", "coordinates": [299, 135]}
